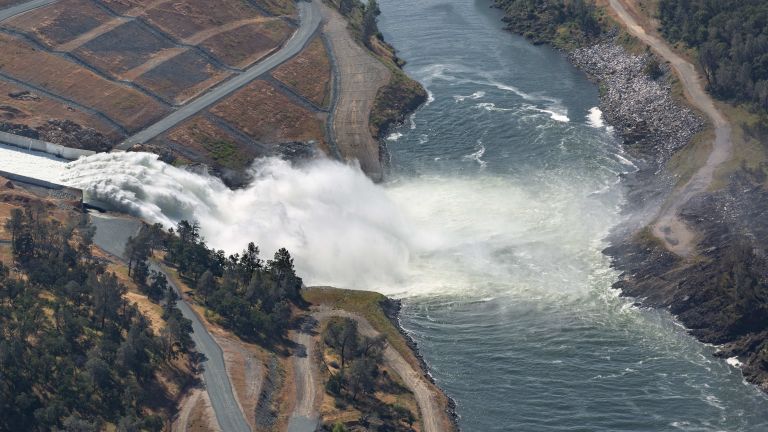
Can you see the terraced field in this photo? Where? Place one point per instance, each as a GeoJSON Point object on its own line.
{"type": "Point", "coordinates": [309, 73]}
{"type": "Point", "coordinates": [117, 66]}
{"type": "Point", "coordinates": [267, 115]}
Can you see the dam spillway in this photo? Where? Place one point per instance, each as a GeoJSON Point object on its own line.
{"type": "Point", "coordinates": [31, 164]}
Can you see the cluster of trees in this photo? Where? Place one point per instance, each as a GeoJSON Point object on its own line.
{"type": "Point", "coordinates": [543, 21]}
{"type": "Point", "coordinates": [367, 15]}
{"type": "Point", "coordinates": [252, 297]}
{"type": "Point", "coordinates": [731, 37]}
{"type": "Point", "coordinates": [359, 375]}
{"type": "Point", "coordinates": [360, 357]}
{"type": "Point", "coordinates": [74, 354]}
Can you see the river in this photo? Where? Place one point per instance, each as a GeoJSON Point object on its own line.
{"type": "Point", "coordinates": [490, 228]}
{"type": "Point", "coordinates": [520, 325]}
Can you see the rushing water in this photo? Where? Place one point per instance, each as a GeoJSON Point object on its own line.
{"type": "Point", "coordinates": [491, 226]}
{"type": "Point", "coordinates": [521, 326]}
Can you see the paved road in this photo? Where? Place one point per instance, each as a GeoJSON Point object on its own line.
{"type": "Point", "coordinates": [24, 7]}
{"type": "Point", "coordinates": [112, 233]}
{"type": "Point", "coordinates": [310, 18]}
{"type": "Point", "coordinates": [669, 228]}
{"type": "Point", "coordinates": [228, 413]}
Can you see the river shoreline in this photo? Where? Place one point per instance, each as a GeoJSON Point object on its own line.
{"type": "Point", "coordinates": [392, 308]}
{"type": "Point", "coordinates": [716, 296]}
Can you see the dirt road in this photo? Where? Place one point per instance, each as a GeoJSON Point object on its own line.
{"type": "Point", "coordinates": [305, 416]}
{"type": "Point", "coordinates": [359, 77]}
{"type": "Point", "coordinates": [669, 228]}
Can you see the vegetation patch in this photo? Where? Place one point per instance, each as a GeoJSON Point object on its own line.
{"type": "Point", "coordinates": [731, 42]}
{"type": "Point", "coordinates": [564, 24]}
{"type": "Point", "coordinates": [78, 355]}
{"type": "Point", "coordinates": [368, 304]}
{"type": "Point", "coordinates": [365, 393]}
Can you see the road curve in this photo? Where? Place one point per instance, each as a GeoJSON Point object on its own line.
{"type": "Point", "coordinates": [310, 17]}
{"type": "Point", "coordinates": [112, 233]}
{"type": "Point", "coordinates": [669, 228]}
{"type": "Point", "coordinates": [24, 7]}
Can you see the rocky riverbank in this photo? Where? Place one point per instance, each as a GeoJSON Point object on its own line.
{"type": "Point", "coordinates": [392, 308]}
{"type": "Point", "coordinates": [720, 294]}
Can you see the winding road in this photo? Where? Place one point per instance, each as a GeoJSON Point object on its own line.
{"type": "Point", "coordinates": [676, 235]}
{"type": "Point", "coordinates": [310, 18]}
{"type": "Point", "coordinates": [112, 234]}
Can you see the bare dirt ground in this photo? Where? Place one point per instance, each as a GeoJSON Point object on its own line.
{"type": "Point", "coordinates": [60, 22]}
{"type": "Point", "coordinates": [268, 116]}
{"type": "Point", "coordinates": [34, 110]}
{"type": "Point", "coordinates": [246, 373]}
{"type": "Point", "coordinates": [122, 104]}
{"type": "Point", "coordinates": [195, 414]}
{"type": "Point", "coordinates": [669, 228]}
{"type": "Point", "coordinates": [309, 73]}
{"type": "Point", "coordinates": [245, 45]}
{"type": "Point", "coordinates": [360, 76]}
{"type": "Point", "coordinates": [91, 34]}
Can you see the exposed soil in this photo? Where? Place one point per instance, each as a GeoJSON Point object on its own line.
{"type": "Point", "coordinates": [268, 116]}
{"type": "Point", "coordinates": [181, 77]}
{"type": "Point", "coordinates": [184, 19]}
{"type": "Point", "coordinates": [122, 104]}
{"type": "Point", "coordinates": [360, 76]}
{"type": "Point", "coordinates": [60, 22]}
{"type": "Point", "coordinates": [309, 73]}
{"type": "Point", "coordinates": [669, 228]}
{"type": "Point", "coordinates": [242, 46]}
{"type": "Point", "coordinates": [34, 110]}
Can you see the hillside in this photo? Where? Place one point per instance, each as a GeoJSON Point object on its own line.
{"type": "Point", "coordinates": [155, 60]}
{"type": "Point", "coordinates": [81, 347]}
{"type": "Point", "coordinates": [717, 288]}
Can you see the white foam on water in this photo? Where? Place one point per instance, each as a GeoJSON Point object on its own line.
{"type": "Point", "coordinates": [554, 115]}
{"type": "Point", "coordinates": [394, 136]}
{"type": "Point", "coordinates": [477, 155]}
{"type": "Point", "coordinates": [475, 95]}
{"type": "Point", "coordinates": [490, 106]}
{"type": "Point", "coordinates": [734, 361]}
{"type": "Point", "coordinates": [595, 118]}
{"type": "Point", "coordinates": [427, 235]}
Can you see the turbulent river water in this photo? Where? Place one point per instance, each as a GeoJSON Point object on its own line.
{"type": "Point", "coordinates": [490, 228]}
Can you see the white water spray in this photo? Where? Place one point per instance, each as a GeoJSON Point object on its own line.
{"type": "Point", "coordinates": [436, 235]}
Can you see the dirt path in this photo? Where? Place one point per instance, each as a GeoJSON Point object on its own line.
{"type": "Point", "coordinates": [359, 76]}
{"type": "Point", "coordinates": [305, 416]}
{"type": "Point", "coordinates": [92, 34]}
{"type": "Point", "coordinates": [669, 228]}
{"type": "Point", "coordinates": [431, 414]}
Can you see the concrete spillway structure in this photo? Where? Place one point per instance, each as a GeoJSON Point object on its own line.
{"type": "Point", "coordinates": [38, 172]}
{"type": "Point", "coordinates": [31, 164]}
